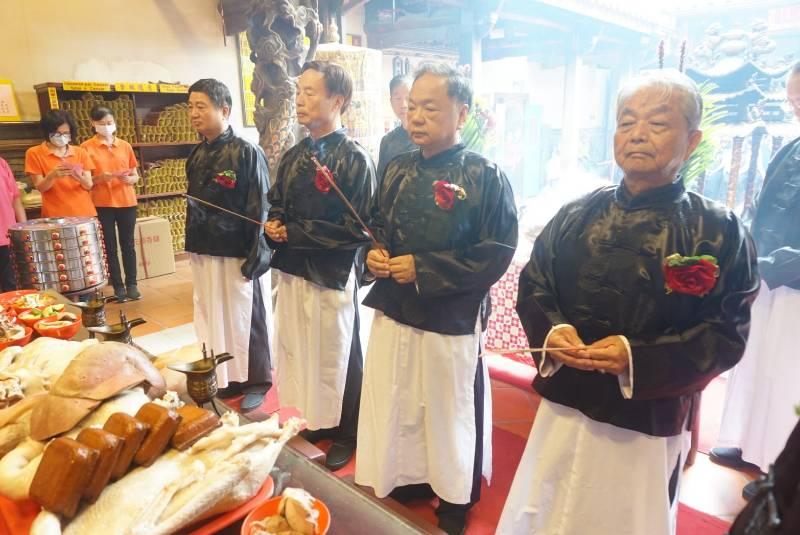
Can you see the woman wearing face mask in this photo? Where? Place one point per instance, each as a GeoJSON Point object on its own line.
{"type": "Point", "coordinates": [115, 198]}
{"type": "Point", "coordinates": [62, 172]}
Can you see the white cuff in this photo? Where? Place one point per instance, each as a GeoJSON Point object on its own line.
{"type": "Point", "coordinates": [548, 366]}
{"type": "Point", "coordinates": [626, 379]}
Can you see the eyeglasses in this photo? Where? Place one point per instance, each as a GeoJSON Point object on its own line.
{"type": "Point", "coordinates": [59, 134]}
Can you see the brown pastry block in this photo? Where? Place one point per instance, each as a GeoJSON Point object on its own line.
{"type": "Point", "coordinates": [196, 423]}
{"type": "Point", "coordinates": [63, 473]}
{"type": "Point", "coordinates": [132, 433]}
{"type": "Point", "coordinates": [163, 423]}
{"type": "Point", "coordinates": [109, 446]}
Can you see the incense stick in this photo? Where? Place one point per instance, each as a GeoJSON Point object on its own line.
{"type": "Point", "coordinates": [328, 176]}
{"type": "Point", "coordinates": [512, 350]}
{"type": "Point", "coordinates": [260, 224]}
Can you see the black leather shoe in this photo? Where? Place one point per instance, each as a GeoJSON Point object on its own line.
{"type": "Point", "coordinates": [340, 454]}
{"type": "Point", "coordinates": [314, 436]}
{"type": "Point", "coordinates": [730, 457]}
{"type": "Point", "coordinates": [750, 490]}
{"type": "Point", "coordinates": [229, 392]}
{"type": "Point", "coordinates": [408, 493]}
{"type": "Point", "coordinates": [453, 523]}
{"type": "Point", "coordinates": [251, 402]}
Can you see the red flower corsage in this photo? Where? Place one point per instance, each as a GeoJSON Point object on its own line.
{"type": "Point", "coordinates": [446, 193]}
{"type": "Point", "coordinates": [322, 183]}
{"type": "Point", "coordinates": [692, 275]}
{"type": "Point", "coordinates": [226, 179]}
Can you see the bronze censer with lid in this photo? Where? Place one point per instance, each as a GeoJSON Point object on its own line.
{"type": "Point", "coordinates": [201, 376]}
{"type": "Point", "coordinates": [120, 332]}
{"type": "Point", "coordinates": [94, 311]}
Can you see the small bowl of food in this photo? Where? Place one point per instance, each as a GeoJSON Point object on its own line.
{"type": "Point", "coordinates": [13, 334]}
{"type": "Point", "coordinates": [7, 311]}
{"type": "Point", "coordinates": [64, 326]}
{"type": "Point", "coordinates": [31, 299]}
{"type": "Point", "coordinates": [32, 316]}
{"type": "Point", "coordinates": [7, 298]}
{"type": "Point", "coordinates": [295, 511]}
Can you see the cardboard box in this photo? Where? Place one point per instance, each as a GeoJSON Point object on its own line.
{"type": "Point", "coordinates": [153, 243]}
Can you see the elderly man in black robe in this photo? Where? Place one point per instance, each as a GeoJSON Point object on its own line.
{"type": "Point", "coordinates": [447, 225]}
{"type": "Point", "coordinates": [642, 293]}
{"type": "Point", "coordinates": [317, 245]}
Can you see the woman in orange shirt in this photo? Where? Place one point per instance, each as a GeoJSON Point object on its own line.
{"type": "Point", "coordinates": [113, 194]}
{"type": "Point", "coordinates": [62, 172]}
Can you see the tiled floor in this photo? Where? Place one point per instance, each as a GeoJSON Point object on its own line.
{"type": "Point", "coordinates": [167, 303]}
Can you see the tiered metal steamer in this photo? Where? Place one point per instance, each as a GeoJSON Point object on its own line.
{"type": "Point", "coordinates": [65, 254]}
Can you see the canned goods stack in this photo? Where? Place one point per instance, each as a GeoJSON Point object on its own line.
{"type": "Point", "coordinates": [122, 106]}
{"type": "Point", "coordinates": [166, 176]}
{"type": "Point", "coordinates": [171, 125]}
{"type": "Point", "coordinates": [172, 209]}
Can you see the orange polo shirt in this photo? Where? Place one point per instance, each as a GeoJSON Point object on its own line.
{"type": "Point", "coordinates": [111, 159]}
{"type": "Point", "coordinates": [66, 197]}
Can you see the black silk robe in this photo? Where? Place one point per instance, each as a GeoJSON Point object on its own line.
{"type": "Point", "coordinates": [393, 144]}
{"type": "Point", "coordinates": [597, 265]}
{"type": "Point", "coordinates": [213, 232]}
{"type": "Point", "coordinates": [776, 224]}
{"type": "Point", "coordinates": [324, 239]}
{"type": "Point", "coordinates": [458, 254]}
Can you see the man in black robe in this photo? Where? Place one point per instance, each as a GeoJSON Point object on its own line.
{"type": "Point", "coordinates": [229, 256]}
{"type": "Point", "coordinates": [763, 387]}
{"type": "Point", "coordinates": [447, 225]}
{"type": "Point", "coordinates": [647, 288]}
{"type": "Point", "coordinates": [397, 141]}
{"type": "Point", "coordinates": [317, 245]}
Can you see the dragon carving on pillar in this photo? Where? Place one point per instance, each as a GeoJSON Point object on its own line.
{"type": "Point", "coordinates": [276, 31]}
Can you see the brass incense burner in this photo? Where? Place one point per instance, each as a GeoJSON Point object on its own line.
{"type": "Point", "coordinates": [201, 376]}
{"type": "Point", "coordinates": [94, 312]}
{"type": "Point", "coordinates": [120, 332]}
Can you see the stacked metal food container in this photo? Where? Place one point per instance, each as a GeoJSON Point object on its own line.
{"type": "Point", "coordinates": [65, 254]}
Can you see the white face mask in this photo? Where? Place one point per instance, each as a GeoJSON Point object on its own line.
{"type": "Point", "coordinates": [60, 140]}
{"type": "Point", "coordinates": [105, 129]}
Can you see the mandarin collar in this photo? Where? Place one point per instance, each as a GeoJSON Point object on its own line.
{"type": "Point", "coordinates": [322, 144]}
{"type": "Point", "coordinates": [443, 157]}
{"type": "Point", "coordinates": [666, 194]}
{"type": "Point", "coordinates": [224, 137]}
